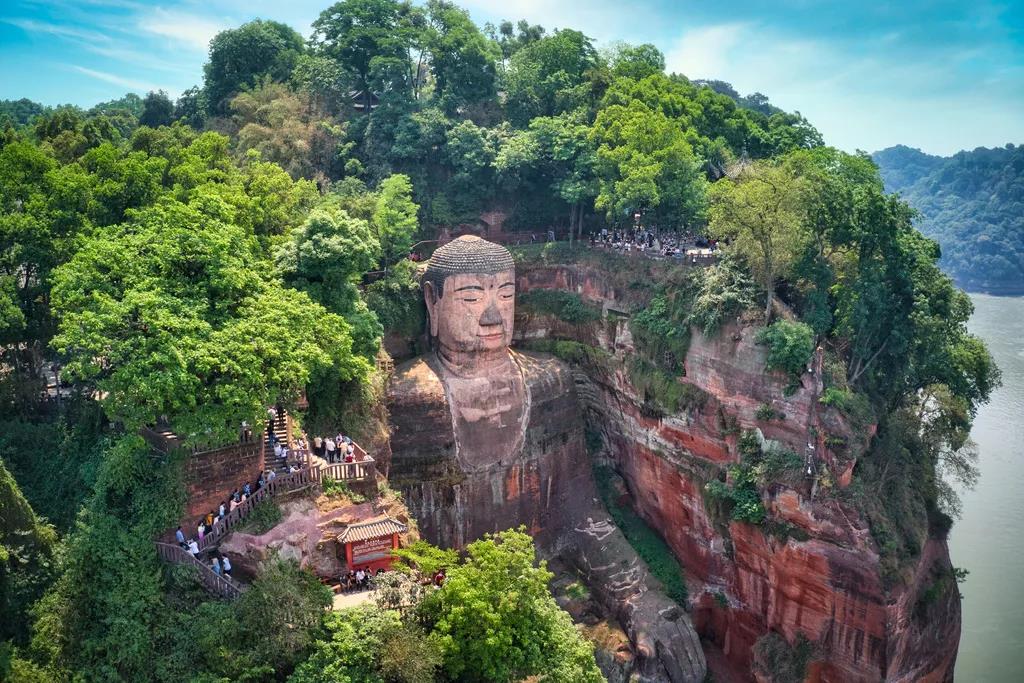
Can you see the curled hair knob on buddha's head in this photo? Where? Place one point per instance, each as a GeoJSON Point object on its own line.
{"type": "Point", "coordinates": [466, 254]}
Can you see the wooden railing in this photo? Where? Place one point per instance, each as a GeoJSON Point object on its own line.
{"type": "Point", "coordinates": [349, 471]}
{"type": "Point", "coordinates": [218, 584]}
{"type": "Point", "coordinates": [282, 483]}
{"type": "Point", "coordinates": [362, 470]}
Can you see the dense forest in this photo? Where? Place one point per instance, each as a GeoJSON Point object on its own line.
{"type": "Point", "coordinates": [196, 260]}
{"type": "Point", "coordinates": [973, 204]}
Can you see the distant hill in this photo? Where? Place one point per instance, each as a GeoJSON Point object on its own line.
{"type": "Point", "coordinates": [973, 204]}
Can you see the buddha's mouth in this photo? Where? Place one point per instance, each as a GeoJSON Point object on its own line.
{"type": "Point", "coordinates": [491, 336]}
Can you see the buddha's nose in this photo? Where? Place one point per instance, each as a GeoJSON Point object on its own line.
{"type": "Point", "coordinates": [491, 316]}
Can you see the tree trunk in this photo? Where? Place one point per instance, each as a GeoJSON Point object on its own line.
{"type": "Point", "coordinates": [768, 305]}
{"type": "Point", "coordinates": [572, 220]}
{"type": "Point", "coordinates": [579, 221]}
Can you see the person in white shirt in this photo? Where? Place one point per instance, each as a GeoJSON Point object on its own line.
{"type": "Point", "coordinates": [331, 448]}
{"type": "Point", "coordinates": [193, 548]}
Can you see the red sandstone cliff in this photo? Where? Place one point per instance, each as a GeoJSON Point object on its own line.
{"type": "Point", "coordinates": [821, 578]}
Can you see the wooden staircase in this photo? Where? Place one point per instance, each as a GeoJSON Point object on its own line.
{"type": "Point", "coordinates": [282, 432]}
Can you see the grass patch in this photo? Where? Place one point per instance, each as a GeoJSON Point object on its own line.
{"type": "Point", "coordinates": [662, 390]}
{"type": "Point", "coordinates": [264, 517]}
{"type": "Point", "coordinates": [566, 306]}
{"type": "Point", "coordinates": [337, 488]}
{"type": "Point", "coordinates": [662, 563]}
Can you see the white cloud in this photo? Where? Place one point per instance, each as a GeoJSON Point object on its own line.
{"type": "Point", "coordinates": [858, 96]}
{"type": "Point", "coordinates": [72, 32]}
{"type": "Point", "coordinates": [188, 30]}
{"type": "Point", "coordinates": [129, 83]}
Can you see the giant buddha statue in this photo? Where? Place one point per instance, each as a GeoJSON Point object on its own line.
{"type": "Point", "coordinates": [486, 438]}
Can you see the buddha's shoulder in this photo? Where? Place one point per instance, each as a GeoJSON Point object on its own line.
{"type": "Point", "coordinates": [417, 378]}
{"type": "Point", "coordinates": [542, 370]}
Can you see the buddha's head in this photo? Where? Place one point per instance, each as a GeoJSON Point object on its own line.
{"type": "Point", "coordinates": [470, 293]}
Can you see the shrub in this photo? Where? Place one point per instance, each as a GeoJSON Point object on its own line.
{"type": "Point", "coordinates": [741, 496]}
{"type": "Point", "coordinates": [264, 517]}
{"type": "Point", "coordinates": [721, 290]}
{"type": "Point", "coordinates": [337, 487]}
{"type": "Point", "coordinates": [853, 405]}
{"type": "Point", "coordinates": [780, 661]}
{"type": "Point", "coordinates": [765, 412]}
{"type": "Point", "coordinates": [565, 306]}
{"type": "Point", "coordinates": [790, 345]}
{"type": "Point", "coordinates": [666, 392]}
{"type": "Point", "coordinates": [660, 559]}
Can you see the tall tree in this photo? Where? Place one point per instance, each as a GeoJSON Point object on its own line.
{"type": "Point", "coordinates": [761, 215]}
{"type": "Point", "coordinates": [240, 57]}
{"type": "Point", "coordinates": [394, 218]}
{"type": "Point", "coordinates": [157, 110]}
{"type": "Point", "coordinates": [371, 40]}
{"type": "Point", "coordinates": [461, 58]}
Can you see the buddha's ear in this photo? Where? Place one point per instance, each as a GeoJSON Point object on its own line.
{"type": "Point", "coordinates": [430, 297]}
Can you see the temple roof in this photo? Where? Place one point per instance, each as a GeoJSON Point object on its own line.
{"type": "Point", "coordinates": [373, 528]}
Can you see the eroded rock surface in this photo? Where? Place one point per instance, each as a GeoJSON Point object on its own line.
{"type": "Point", "coordinates": [822, 577]}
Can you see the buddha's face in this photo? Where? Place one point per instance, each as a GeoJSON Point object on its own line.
{"type": "Point", "coordinates": [475, 312]}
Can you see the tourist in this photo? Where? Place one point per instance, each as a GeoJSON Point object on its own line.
{"type": "Point", "coordinates": [215, 565]}
{"type": "Point", "coordinates": [179, 535]}
{"type": "Point", "coordinates": [226, 565]}
{"type": "Point", "coordinates": [222, 510]}
{"type": "Point", "coordinates": [331, 448]}
{"type": "Point", "coordinates": [349, 454]}
{"type": "Point", "coordinates": [209, 519]}
{"type": "Point", "coordinates": [439, 578]}
{"type": "Point", "coordinates": [360, 577]}
{"type": "Point", "coordinates": [247, 489]}
{"type": "Point", "coordinates": [193, 548]}
{"type": "Point", "coordinates": [271, 476]}
{"type": "Point", "coordinates": [278, 448]}
{"type": "Point", "coordinates": [318, 447]}
{"type": "Point", "coordinates": [259, 481]}
{"type": "Point", "coordinates": [201, 530]}
{"type": "Point", "coordinates": [233, 504]}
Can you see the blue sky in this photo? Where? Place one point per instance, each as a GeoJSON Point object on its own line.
{"type": "Point", "coordinates": [942, 76]}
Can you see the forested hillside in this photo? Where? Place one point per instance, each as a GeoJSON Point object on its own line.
{"type": "Point", "coordinates": [196, 260]}
{"type": "Point", "coordinates": [973, 204]}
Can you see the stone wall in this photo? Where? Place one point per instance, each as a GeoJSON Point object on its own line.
{"type": "Point", "coordinates": [210, 476]}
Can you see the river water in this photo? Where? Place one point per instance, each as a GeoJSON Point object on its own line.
{"type": "Point", "coordinates": [989, 539]}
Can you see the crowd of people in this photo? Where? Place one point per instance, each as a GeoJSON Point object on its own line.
{"type": "Point", "coordinates": [653, 242]}
{"type": "Point", "coordinates": [339, 448]}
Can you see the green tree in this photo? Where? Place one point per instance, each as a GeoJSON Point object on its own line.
{"type": "Point", "coordinates": [327, 257]}
{"type": "Point", "coordinates": [495, 619]}
{"type": "Point", "coordinates": [370, 40]}
{"type": "Point", "coordinates": [369, 645]}
{"type": "Point", "coordinates": [761, 215]}
{"type": "Point", "coordinates": [637, 61]}
{"type": "Point", "coordinates": [461, 58]}
{"type": "Point", "coordinates": [241, 57]}
{"type": "Point", "coordinates": [548, 76]}
{"type": "Point", "coordinates": [160, 315]}
{"type": "Point", "coordinates": [157, 110]}
{"type": "Point", "coordinates": [395, 218]}
{"type": "Point", "coordinates": [645, 164]}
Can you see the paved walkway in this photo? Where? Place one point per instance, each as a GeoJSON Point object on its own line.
{"type": "Point", "coordinates": [346, 600]}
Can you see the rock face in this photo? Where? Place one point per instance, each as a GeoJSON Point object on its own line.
{"type": "Point", "coordinates": [821, 576]}
{"type": "Point", "coordinates": [546, 485]}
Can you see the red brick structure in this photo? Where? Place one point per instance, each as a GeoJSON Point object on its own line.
{"type": "Point", "coordinates": [211, 474]}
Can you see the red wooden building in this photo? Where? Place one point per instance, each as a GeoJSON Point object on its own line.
{"type": "Point", "coordinates": [368, 544]}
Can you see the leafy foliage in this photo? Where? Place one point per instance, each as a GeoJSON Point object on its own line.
{"type": "Point", "coordinates": [790, 345]}
{"type": "Point", "coordinates": [565, 306]}
{"type": "Point", "coordinates": [660, 559]}
{"type": "Point", "coordinates": [500, 594]}
{"type": "Point", "coordinates": [972, 203]}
